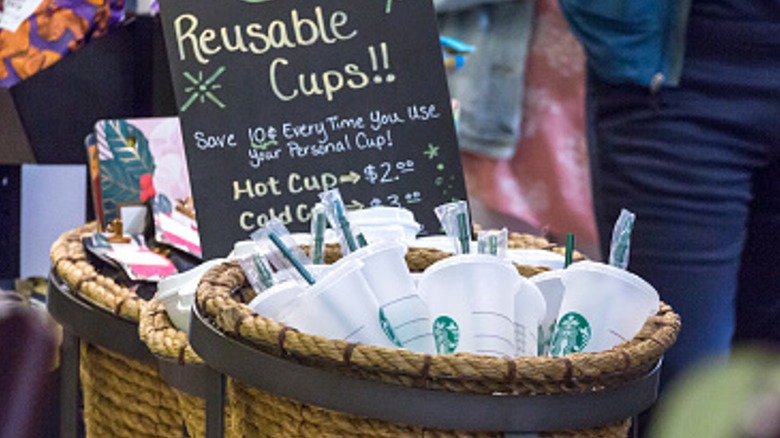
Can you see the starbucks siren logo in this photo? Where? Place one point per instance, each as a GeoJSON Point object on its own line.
{"type": "Point", "coordinates": [571, 336]}
{"type": "Point", "coordinates": [447, 334]}
{"type": "Point", "coordinates": [388, 329]}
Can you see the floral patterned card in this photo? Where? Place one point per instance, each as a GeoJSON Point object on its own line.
{"type": "Point", "coordinates": [143, 161]}
{"type": "Point", "coordinates": [138, 262]}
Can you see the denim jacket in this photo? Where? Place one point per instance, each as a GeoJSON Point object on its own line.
{"type": "Point", "coordinates": [637, 41]}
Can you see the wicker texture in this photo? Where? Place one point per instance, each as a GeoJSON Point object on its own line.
{"type": "Point", "coordinates": [69, 259]}
{"type": "Point", "coordinates": [125, 398]}
{"type": "Point", "coordinates": [122, 397]}
{"type": "Point", "coordinates": [259, 414]}
{"type": "Point", "coordinates": [164, 340]}
{"type": "Point", "coordinates": [460, 372]}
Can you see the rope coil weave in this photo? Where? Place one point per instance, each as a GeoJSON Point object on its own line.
{"type": "Point", "coordinates": [164, 340]}
{"type": "Point", "coordinates": [257, 413]}
{"type": "Point", "coordinates": [122, 397]}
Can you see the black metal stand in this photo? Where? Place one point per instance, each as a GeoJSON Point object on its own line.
{"type": "Point", "coordinates": [392, 403]}
{"type": "Point", "coordinates": [81, 320]}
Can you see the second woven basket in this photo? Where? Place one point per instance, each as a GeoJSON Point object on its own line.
{"type": "Point", "coordinates": [258, 413]}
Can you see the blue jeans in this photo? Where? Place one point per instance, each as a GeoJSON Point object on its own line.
{"type": "Point", "coordinates": [490, 84]}
{"type": "Point", "coordinates": [699, 164]}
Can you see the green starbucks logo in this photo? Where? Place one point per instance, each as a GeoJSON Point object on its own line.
{"type": "Point", "coordinates": [571, 335]}
{"type": "Point", "coordinates": [446, 333]}
{"type": "Point", "coordinates": [388, 329]}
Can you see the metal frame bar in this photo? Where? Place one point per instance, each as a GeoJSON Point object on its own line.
{"type": "Point", "coordinates": [427, 408]}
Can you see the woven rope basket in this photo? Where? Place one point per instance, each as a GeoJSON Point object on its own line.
{"type": "Point", "coordinates": [165, 340]}
{"type": "Point", "coordinates": [258, 413]}
{"type": "Point", "coordinates": [122, 397]}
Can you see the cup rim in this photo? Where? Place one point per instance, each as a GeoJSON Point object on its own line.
{"type": "Point", "coordinates": [340, 269]}
{"type": "Point", "coordinates": [243, 248]}
{"type": "Point", "coordinates": [173, 284]}
{"type": "Point", "coordinates": [615, 272]}
{"type": "Point", "coordinates": [463, 259]}
{"type": "Point", "coordinates": [547, 275]}
{"type": "Point", "coordinates": [274, 291]}
{"type": "Point", "coordinates": [435, 241]}
{"type": "Point", "coordinates": [376, 248]}
{"type": "Point", "coordinates": [468, 259]}
{"type": "Point", "coordinates": [388, 213]}
{"type": "Point", "coordinates": [542, 257]}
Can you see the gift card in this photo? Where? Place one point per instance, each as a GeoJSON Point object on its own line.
{"type": "Point", "coordinates": [143, 161]}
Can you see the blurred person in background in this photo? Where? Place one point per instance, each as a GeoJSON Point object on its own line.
{"type": "Point", "coordinates": [683, 118]}
{"type": "Point", "coordinates": [521, 126]}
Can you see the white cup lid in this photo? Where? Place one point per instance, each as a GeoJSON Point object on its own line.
{"type": "Point", "coordinates": [382, 213]}
{"type": "Point", "coordinates": [172, 284]}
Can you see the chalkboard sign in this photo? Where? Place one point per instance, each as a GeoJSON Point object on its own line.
{"type": "Point", "coordinates": [282, 99]}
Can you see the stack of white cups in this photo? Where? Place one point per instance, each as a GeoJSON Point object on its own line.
{"type": "Point", "coordinates": [596, 307]}
{"type": "Point", "coordinates": [367, 297]}
{"type": "Point", "coordinates": [481, 305]}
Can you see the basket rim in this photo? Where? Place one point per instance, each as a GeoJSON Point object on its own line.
{"type": "Point", "coordinates": [411, 406]}
{"type": "Point", "coordinates": [460, 371]}
{"type": "Point", "coordinates": [69, 261]}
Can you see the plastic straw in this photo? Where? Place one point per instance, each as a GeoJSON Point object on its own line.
{"type": "Point", "coordinates": [263, 272]}
{"type": "Point", "coordinates": [278, 246]}
{"type": "Point", "coordinates": [455, 221]}
{"type": "Point", "coordinates": [336, 212]}
{"type": "Point", "coordinates": [621, 239]}
{"type": "Point", "coordinates": [361, 239]}
{"type": "Point", "coordinates": [257, 272]}
{"type": "Point", "coordinates": [463, 233]}
{"type": "Point", "coordinates": [493, 242]}
{"type": "Point", "coordinates": [341, 216]}
{"type": "Point", "coordinates": [569, 250]}
{"type": "Point", "coordinates": [319, 223]}
{"type": "Point", "coordinates": [289, 256]}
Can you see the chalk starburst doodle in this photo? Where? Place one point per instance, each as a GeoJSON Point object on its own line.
{"type": "Point", "coordinates": [432, 151]}
{"type": "Point", "coordinates": [201, 89]}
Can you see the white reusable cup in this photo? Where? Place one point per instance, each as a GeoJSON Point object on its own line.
{"type": "Point", "coordinates": [384, 223]}
{"type": "Point", "coordinates": [551, 286]}
{"type": "Point", "coordinates": [530, 310]}
{"type": "Point", "coordinates": [272, 300]}
{"type": "Point", "coordinates": [177, 293]}
{"type": "Point", "coordinates": [536, 257]}
{"type": "Point", "coordinates": [243, 248]}
{"type": "Point", "coordinates": [471, 299]}
{"type": "Point", "coordinates": [317, 271]}
{"type": "Point", "coordinates": [403, 313]}
{"type": "Point", "coordinates": [602, 306]}
{"type": "Point", "coordinates": [340, 305]}
{"type": "Point", "coordinates": [442, 243]}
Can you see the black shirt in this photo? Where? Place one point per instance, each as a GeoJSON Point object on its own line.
{"type": "Point", "coordinates": [738, 10]}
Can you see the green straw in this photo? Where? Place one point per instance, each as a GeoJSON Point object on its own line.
{"type": "Point", "coordinates": [362, 240]}
{"type": "Point", "coordinates": [344, 224]}
{"type": "Point", "coordinates": [262, 271]}
{"type": "Point", "coordinates": [569, 250]}
{"type": "Point", "coordinates": [493, 244]}
{"type": "Point", "coordinates": [319, 238]}
{"type": "Point", "coordinates": [463, 233]}
{"type": "Point", "coordinates": [288, 255]}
